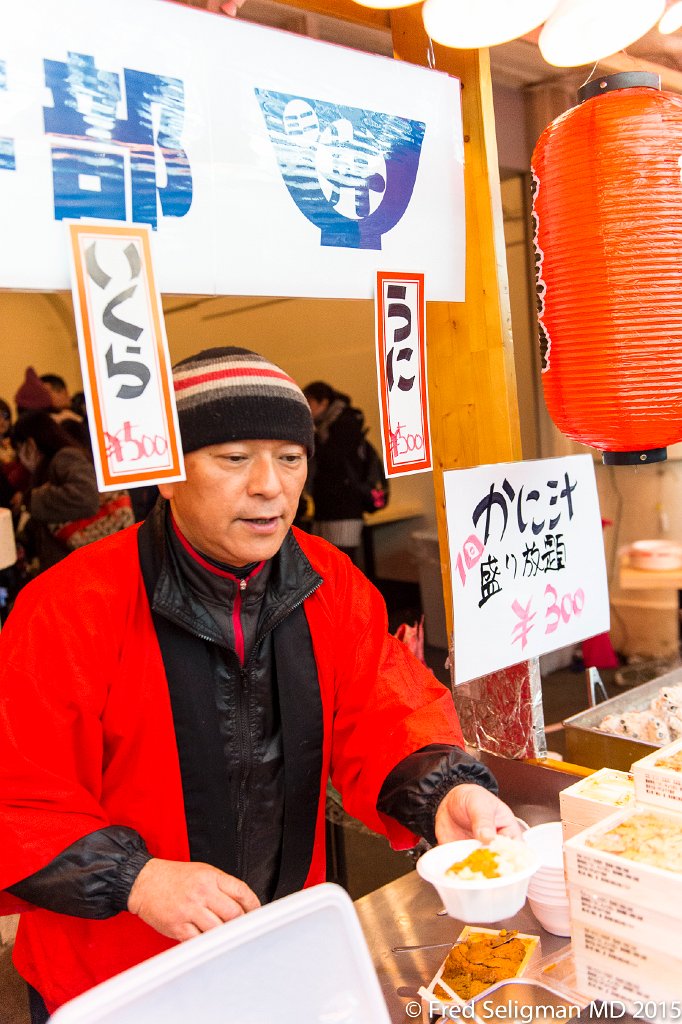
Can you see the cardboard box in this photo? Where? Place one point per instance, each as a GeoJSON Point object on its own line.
{"type": "Point", "coordinates": [596, 797]}
{"type": "Point", "coordinates": [651, 971]}
{"type": "Point", "coordinates": [657, 784]}
{"type": "Point", "coordinates": [641, 882]}
{"type": "Point", "coordinates": [624, 918]}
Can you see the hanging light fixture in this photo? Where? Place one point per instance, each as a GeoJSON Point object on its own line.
{"type": "Point", "coordinates": [607, 214]}
{"type": "Point", "coordinates": [672, 19]}
{"type": "Point", "coordinates": [584, 31]}
{"type": "Point", "coordinates": [472, 24]}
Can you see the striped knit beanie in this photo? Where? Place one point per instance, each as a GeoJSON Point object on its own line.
{"type": "Point", "coordinates": [232, 394]}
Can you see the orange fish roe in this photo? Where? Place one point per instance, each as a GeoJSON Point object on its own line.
{"type": "Point", "coordinates": [479, 862]}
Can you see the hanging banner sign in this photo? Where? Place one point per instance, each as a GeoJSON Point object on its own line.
{"type": "Point", "coordinates": [401, 373]}
{"type": "Point", "coordinates": [265, 163]}
{"type": "Point", "coordinates": [124, 356]}
{"type": "Point", "coordinates": [527, 561]}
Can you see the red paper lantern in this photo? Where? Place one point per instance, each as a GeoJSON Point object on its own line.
{"type": "Point", "coordinates": [607, 213]}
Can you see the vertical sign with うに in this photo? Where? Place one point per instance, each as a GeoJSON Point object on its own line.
{"type": "Point", "coordinates": [124, 356]}
{"type": "Point", "coordinates": [527, 561]}
{"type": "Point", "coordinates": [401, 366]}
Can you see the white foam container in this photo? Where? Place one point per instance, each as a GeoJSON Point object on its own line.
{"type": "Point", "coordinates": [579, 807]}
{"type": "Point", "coordinates": [622, 990]}
{"type": "Point", "coordinates": [654, 972]}
{"type": "Point", "coordinates": [660, 787]}
{"type": "Point", "coordinates": [571, 828]}
{"type": "Point", "coordinates": [624, 918]}
{"type": "Point", "coordinates": [302, 958]}
{"type": "Point", "coordinates": [615, 875]}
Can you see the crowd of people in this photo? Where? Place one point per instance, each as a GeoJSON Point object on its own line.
{"type": "Point", "coordinates": [47, 475]}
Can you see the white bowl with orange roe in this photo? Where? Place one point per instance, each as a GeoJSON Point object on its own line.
{"type": "Point", "coordinates": [480, 884]}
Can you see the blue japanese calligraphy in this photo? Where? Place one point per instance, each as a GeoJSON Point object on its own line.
{"type": "Point", "coordinates": [7, 156]}
{"type": "Point", "coordinates": [110, 135]}
{"type": "Point", "coordinates": [350, 171]}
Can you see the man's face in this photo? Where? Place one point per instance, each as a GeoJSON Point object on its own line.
{"type": "Point", "coordinates": [61, 398]}
{"type": "Point", "coordinates": [239, 498]}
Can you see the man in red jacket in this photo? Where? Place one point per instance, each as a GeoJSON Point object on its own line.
{"type": "Point", "coordinates": [174, 698]}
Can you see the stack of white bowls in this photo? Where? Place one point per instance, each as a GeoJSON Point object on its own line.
{"type": "Point", "coordinates": [547, 896]}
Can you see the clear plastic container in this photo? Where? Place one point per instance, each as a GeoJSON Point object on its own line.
{"type": "Point", "coordinates": [302, 958]}
{"type": "Point", "coordinates": [557, 970]}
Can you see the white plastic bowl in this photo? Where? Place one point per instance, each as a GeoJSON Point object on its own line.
{"type": "Point", "coordinates": [541, 892]}
{"type": "Point", "coordinates": [474, 901]}
{"type": "Point", "coordinates": [548, 842]}
{"type": "Point", "coordinates": [547, 897]}
{"type": "Point", "coordinates": [554, 879]}
{"type": "Point", "coordinates": [655, 554]}
{"type": "Point", "coordinates": [551, 875]}
{"type": "Point", "coordinates": [555, 919]}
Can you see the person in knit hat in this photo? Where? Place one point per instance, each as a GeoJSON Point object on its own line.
{"type": "Point", "coordinates": [33, 395]}
{"type": "Point", "coordinates": [169, 749]}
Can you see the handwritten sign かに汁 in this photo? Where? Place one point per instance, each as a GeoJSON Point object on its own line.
{"type": "Point", "coordinates": [124, 356]}
{"type": "Point", "coordinates": [401, 365]}
{"type": "Point", "coordinates": [527, 561]}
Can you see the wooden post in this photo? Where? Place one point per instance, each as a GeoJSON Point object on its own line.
{"type": "Point", "coordinates": [472, 384]}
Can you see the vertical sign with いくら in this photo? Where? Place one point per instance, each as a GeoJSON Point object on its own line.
{"type": "Point", "coordinates": [527, 561]}
{"type": "Point", "coordinates": [124, 356]}
{"type": "Point", "coordinates": [401, 365]}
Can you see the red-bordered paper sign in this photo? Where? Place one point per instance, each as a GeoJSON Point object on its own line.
{"type": "Point", "coordinates": [401, 370]}
{"type": "Point", "coordinates": [124, 356]}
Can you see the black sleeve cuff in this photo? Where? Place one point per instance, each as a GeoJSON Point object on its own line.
{"type": "Point", "coordinates": [92, 878]}
{"type": "Point", "coordinates": [414, 789]}
{"type": "Point", "coordinates": [127, 873]}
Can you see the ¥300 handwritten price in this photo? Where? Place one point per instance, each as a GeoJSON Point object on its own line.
{"type": "Point", "coordinates": [562, 609]}
{"type": "Point", "coordinates": [557, 610]}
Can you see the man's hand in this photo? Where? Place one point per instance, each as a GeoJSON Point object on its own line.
{"type": "Point", "coordinates": [182, 900]}
{"type": "Point", "coordinates": [470, 811]}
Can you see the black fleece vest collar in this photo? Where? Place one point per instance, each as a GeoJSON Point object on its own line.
{"type": "Point", "coordinates": [211, 826]}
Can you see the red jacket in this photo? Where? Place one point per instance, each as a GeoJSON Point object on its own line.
{"type": "Point", "coordinates": [86, 735]}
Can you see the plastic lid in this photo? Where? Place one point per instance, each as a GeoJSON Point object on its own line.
{"type": "Point", "coordinates": [302, 958]}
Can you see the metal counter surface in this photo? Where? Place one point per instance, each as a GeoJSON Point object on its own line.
{"type": "Point", "coordinates": [405, 913]}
